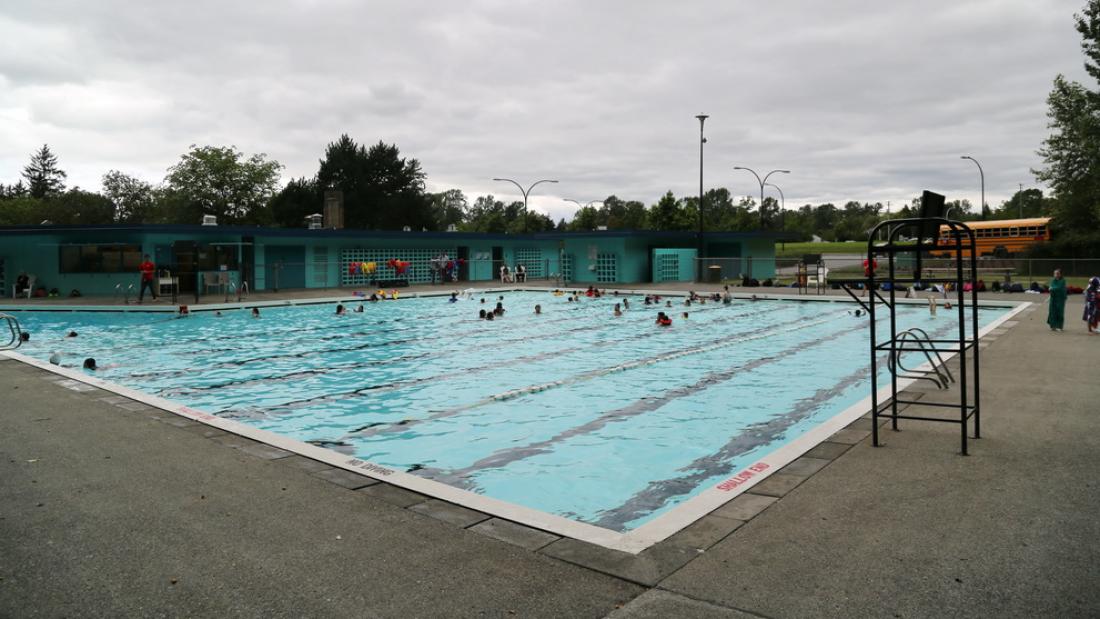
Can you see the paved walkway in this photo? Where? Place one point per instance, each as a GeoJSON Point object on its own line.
{"type": "Point", "coordinates": [109, 508]}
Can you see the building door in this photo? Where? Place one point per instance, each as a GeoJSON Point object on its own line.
{"type": "Point", "coordinates": [464, 263]}
{"type": "Point", "coordinates": [284, 266]}
{"type": "Point", "coordinates": [248, 261]}
{"type": "Point", "coordinates": [498, 261]}
{"type": "Point", "coordinates": [185, 265]}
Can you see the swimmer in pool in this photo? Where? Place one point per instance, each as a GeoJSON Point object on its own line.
{"type": "Point", "coordinates": [340, 309]}
{"type": "Point", "coordinates": [71, 334]}
{"type": "Point", "coordinates": [538, 309]}
{"type": "Point", "coordinates": [663, 320]}
{"type": "Point", "coordinates": [481, 315]}
{"type": "Point", "coordinates": [454, 298]}
{"type": "Point", "coordinates": [618, 310]}
{"type": "Point", "coordinates": [499, 310]}
{"type": "Point", "coordinates": [488, 316]}
{"type": "Point", "coordinates": [685, 315]}
{"type": "Point", "coordinates": [626, 303]}
{"type": "Point", "coordinates": [255, 312]}
{"type": "Point", "coordinates": [359, 310]}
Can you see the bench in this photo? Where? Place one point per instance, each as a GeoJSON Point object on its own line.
{"type": "Point", "coordinates": [1007, 271]}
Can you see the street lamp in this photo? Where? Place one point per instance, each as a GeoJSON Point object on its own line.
{"type": "Point", "coordinates": [782, 211]}
{"type": "Point", "coordinates": [762, 181]}
{"type": "Point", "coordinates": [525, 194]}
{"type": "Point", "coordinates": [701, 251]}
{"type": "Point", "coordinates": [982, 173]}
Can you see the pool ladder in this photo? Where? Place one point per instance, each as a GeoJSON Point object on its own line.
{"type": "Point", "coordinates": [123, 292]}
{"type": "Point", "coordinates": [939, 373]}
{"type": "Point", "coordinates": [15, 333]}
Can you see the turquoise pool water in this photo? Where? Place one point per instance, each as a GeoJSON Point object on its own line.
{"type": "Point", "coordinates": [601, 419]}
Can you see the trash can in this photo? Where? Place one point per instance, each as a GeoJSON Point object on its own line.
{"type": "Point", "coordinates": [714, 274]}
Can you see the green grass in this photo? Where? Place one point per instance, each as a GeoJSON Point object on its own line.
{"type": "Point", "coordinates": [797, 250]}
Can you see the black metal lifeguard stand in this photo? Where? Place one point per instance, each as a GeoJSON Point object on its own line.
{"type": "Point", "coordinates": [930, 231]}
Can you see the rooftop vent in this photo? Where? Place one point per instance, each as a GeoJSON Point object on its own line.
{"type": "Point", "coordinates": [209, 220]}
{"type": "Point", "coordinates": [315, 221]}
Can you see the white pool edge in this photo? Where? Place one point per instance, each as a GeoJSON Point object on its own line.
{"type": "Point", "coordinates": [633, 542]}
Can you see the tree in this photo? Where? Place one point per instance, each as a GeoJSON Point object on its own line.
{"type": "Point", "coordinates": [1072, 152]}
{"type": "Point", "coordinates": [44, 178]}
{"type": "Point", "coordinates": [1024, 203]}
{"type": "Point", "coordinates": [448, 208]}
{"type": "Point", "coordinates": [381, 189]}
{"type": "Point", "coordinates": [486, 215]}
{"type": "Point", "coordinates": [221, 181]}
{"type": "Point", "coordinates": [586, 219]}
{"type": "Point", "coordinates": [134, 199]}
{"type": "Point", "coordinates": [77, 206]}
{"type": "Point", "coordinates": [669, 214]}
{"type": "Point", "coordinates": [300, 198]}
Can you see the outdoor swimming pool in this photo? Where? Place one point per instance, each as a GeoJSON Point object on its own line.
{"type": "Point", "coordinates": [609, 421]}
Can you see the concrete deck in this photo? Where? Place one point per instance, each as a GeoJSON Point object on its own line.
{"type": "Point", "coordinates": [111, 508]}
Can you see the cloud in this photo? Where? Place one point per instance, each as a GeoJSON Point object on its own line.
{"type": "Point", "coordinates": [861, 101]}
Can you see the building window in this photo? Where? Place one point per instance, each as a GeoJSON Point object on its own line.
{"type": "Point", "coordinates": [112, 258]}
{"type": "Point", "coordinates": [214, 257]}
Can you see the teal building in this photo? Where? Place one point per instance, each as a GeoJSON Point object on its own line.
{"type": "Point", "coordinates": [103, 260]}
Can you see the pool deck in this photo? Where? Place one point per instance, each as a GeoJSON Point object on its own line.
{"type": "Point", "coordinates": [109, 507]}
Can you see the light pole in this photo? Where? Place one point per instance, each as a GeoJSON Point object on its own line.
{"type": "Point", "coordinates": [982, 173]}
{"type": "Point", "coordinates": [702, 140]}
{"type": "Point", "coordinates": [525, 194]}
{"type": "Point", "coordinates": [762, 181]}
{"type": "Point", "coordinates": [782, 212]}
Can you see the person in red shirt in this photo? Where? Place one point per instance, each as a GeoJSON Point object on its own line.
{"type": "Point", "coordinates": [147, 269]}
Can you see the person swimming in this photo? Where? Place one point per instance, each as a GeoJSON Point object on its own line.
{"type": "Point", "coordinates": [663, 320]}
{"type": "Point", "coordinates": [481, 314]}
{"type": "Point", "coordinates": [340, 309]}
{"type": "Point", "coordinates": [359, 310]}
{"type": "Point", "coordinates": [71, 334]}
{"type": "Point", "coordinates": [499, 310]}
{"type": "Point", "coordinates": [626, 303]}
{"type": "Point", "coordinates": [685, 315]}
{"type": "Point", "coordinates": [454, 298]}
{"type": "Point", "coordinates": [24, 336]}
{"type": "Point", "coordinates": [255, 312]}
{"type": "Point", "coordinates": [488, 315]}
{"type": "Point", "coordinates": [538, 309]}
{"type": "Point", "coordinates": [618, 310]}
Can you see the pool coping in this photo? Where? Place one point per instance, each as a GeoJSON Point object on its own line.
{"type": "Point", "coordinates": [633, 542]}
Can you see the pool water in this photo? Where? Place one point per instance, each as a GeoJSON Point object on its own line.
{"type": "Point", "coordinates": [606, 420]}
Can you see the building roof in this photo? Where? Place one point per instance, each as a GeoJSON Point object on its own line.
{"type": "Point", "coordinates": [199, 231]}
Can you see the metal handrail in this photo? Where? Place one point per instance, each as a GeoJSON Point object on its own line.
{"type": "Point", "coordinates": [942, 374]}
{"type": "Point", "coordinates": [16, 332]}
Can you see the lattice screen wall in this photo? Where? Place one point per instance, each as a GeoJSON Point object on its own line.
{"type": "Point", "coordinates": [607, 268]}
{"type": "Point", "coordinates": [531, 259]}
{"type": "Point", "coordinates": [320, 265]}
{"type": "Point", "coordinates": [567, 267]}
{"type": "Point", "coordinates": [668, 267]}
{"type": "Point", "coordinates": [419, 271]}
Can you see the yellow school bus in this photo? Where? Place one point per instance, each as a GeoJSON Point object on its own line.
{"type": "Point", "coordinates": [1001, 237]}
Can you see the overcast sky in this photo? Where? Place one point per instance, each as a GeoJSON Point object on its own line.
{"type": "Point", "coordinates": [869, 101]}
